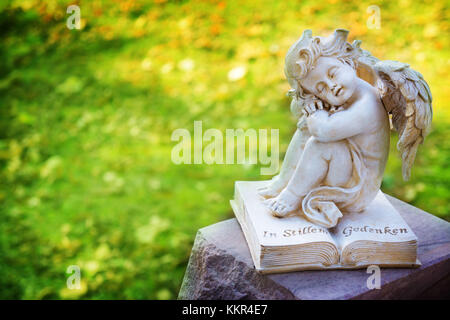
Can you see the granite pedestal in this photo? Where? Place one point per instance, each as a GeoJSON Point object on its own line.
{"type": "Point", "coordinates": [220, 267]}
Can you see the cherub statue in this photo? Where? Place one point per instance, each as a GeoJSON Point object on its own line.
{"type": "Point", "coordinates": [335, 161]}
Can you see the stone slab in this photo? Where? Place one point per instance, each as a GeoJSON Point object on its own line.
{"type": "Point", "coordinates": [220, 267]}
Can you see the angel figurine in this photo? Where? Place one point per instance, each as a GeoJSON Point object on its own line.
{"type": "Point", "coordinates": [344, 98]}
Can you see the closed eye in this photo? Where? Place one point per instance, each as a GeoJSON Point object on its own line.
{"type": "Point", "coordinates": [320, 87]}
{"type": "Point", "coordinates": [332, 72]}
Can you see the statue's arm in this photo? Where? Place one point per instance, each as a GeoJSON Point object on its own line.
{"type": "Point", "coordinates": [343, 124]}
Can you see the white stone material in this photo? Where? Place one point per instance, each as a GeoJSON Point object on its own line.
{"type": "Point", "coordinates": [376, 236]}
{"type": "Point", "coordinates": [343, 97]}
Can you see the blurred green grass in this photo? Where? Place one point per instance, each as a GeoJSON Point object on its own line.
{"type": "Point", "coordinates": [86, 118]}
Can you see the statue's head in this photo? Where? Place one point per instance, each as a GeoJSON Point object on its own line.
{"type": "Point", "coordinates": [322, 67]}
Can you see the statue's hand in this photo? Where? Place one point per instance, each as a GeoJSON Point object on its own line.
{"type": "Point", "coordinates": [335, 109]}
{"type": "Point", "coordinates": [274, 188]}
{"type": "Point", "coordinates": [314, 105]}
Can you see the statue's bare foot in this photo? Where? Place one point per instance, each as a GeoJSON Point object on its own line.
{"type": "Point", "coordinates": [273, 189]}
{"type": "Point", "coordinates": [284, 203]}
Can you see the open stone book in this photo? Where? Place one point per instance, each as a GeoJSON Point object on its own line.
{"type": "Point", "coordinates": [376, 236]}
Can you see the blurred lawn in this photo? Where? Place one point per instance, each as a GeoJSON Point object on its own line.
{"type": "Point", "coordinates": [86, 118]}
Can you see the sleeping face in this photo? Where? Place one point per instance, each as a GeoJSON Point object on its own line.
{"type": "Point", "coordinates": [331, 80]}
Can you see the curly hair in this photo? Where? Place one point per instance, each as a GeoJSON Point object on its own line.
{"type": "Point", "coordinates": [303, 55]}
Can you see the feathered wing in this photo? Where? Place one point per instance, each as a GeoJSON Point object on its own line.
{"type": "Point", "coordinates": [406, 96]}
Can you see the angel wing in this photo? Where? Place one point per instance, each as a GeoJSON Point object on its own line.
{"type": "Point", "coordinates": [406, 96]}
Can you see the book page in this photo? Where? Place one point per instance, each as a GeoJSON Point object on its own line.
{"type": "Point", "coordinates": [379, 222]}
{"type": "Point", "coordinates": [273, 231]}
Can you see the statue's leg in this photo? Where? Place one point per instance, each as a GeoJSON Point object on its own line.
{"type": "Point", "coordinates": [291, 160]}
{"type": "Point", "coordinates": [322, 163]}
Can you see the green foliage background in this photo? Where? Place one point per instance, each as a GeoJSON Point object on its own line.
{"type": "Point", "coordinates": [86, 118]}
